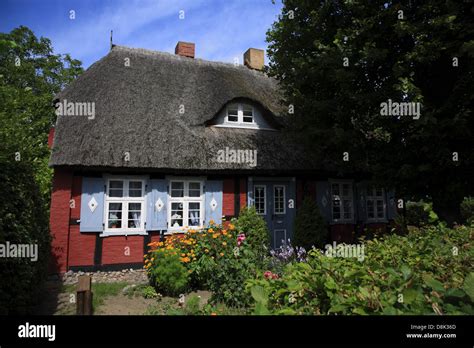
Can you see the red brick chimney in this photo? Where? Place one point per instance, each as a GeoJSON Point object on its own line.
{"type": "Point", "coordinates": [185, 49]}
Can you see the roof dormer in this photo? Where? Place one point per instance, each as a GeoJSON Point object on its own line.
{"type": "Point", "coordinates": [242, 114]}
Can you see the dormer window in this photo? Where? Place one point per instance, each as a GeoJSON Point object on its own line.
{"type": "Point", "coordinates": [240, 114]}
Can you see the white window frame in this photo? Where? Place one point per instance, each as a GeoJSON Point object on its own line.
{"type": "Point", "coordinates": [125, 200]}
{"type": "Point", "coordinates": [240, 115]}
{"type": "Point", "coordinates": [264, 198]}
{"type": "Point", "coordinates": [342, 198]}
{"type": "Point", "coordinates": [372, 197]}
{"type": "Point", "coordinates": [284, 200]}
{"type": "Point", "coordinates": [186, 200]}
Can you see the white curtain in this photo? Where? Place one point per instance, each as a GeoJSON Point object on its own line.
{"type": "Point", "coordinates": [136, 219]}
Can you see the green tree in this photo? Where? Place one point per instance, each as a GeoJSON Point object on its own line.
{"type": "Point", "coordinates": [30, 76]}
{"type": "Point", "coordinates": [337, 61]}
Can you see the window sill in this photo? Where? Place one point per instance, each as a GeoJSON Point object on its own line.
{"type": "Point", "coordinates": [379, 221]}
{"type": "Point", "coordinates": [122, 233]}
{"type": "Point", "coordinates": [342, 222]}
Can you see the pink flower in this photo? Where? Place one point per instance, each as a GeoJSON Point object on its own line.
{"type": "Point", "coordinates": [240, 239]}
{"type": "Point", "coordinates": [267, 275]}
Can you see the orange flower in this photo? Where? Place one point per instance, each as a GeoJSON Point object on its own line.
{"type": "Point", "coordinates": [211, 222]}
{"type": "Point", "coordinates": [222, 254]}
{"type": "Point", "coordinates": [213, 313]}
{"type": "Point", "coordinates": [210, 230]}
{"type": "Point", "coordinates": [224, 243]}
{"type": "Point", "coordinates": [231, 227]}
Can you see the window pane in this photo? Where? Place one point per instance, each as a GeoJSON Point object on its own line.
{"type": "Point", "coordinates": [177, 214]}
{"type": "Point", "coordinates": [378, 192]}
{"type": "Point", "coordinates": [248, 114]}
{"type": "Point", "coordinates": [336, 212]}
{"type": "Point", "coordinates": [347, 205]}
{"type": "Point", "coordinates": [194, 214]}
{"type": "Point", "coordinates": [259, 193]}
{"type": "Point", "coordinates": [116, 188]}
{"type": "Point", "coordinates": [370, 209]}
{"type": "Point", "coordinates": [115, 215]}
{"type": "Point", "coordinates": [194, 189]}
{"type": "Point", "coordinates": [380, 210]}
{"type": "Point", "coordinates": [345, 190]}
{"type": "Point", "coordinates": [232, 114]}
{"type": "Point", "coordinates": [134, 215]}
{"type": "Point", "coordinates": [279, 199]}
{"type": "Point", "coordinates": [177, 189]}
{"type": "Point", "coordinates": [135, 189]}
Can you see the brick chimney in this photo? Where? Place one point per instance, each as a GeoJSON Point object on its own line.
{"type": "Point", "coordinates": [185, 49]}
{"type": "Point", "coordinates": [254, 58]}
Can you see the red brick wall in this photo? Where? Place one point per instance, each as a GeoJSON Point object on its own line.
{"type": "Point", "coordinates": [59, 219]}
{"type": "Point", "coordinates": [342, 233]}
{"type": "Point", "coordinates": [228, 197]}
{"type": "Point", "coordinates": [81, 245]}
{"type": "Point", "coordinates": [243, 193]}
{"type": "Point", "coordinates": [116, 248]}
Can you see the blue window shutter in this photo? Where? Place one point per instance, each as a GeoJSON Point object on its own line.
{"type": "Point", "coordinates": [360, 199]}
{"type": "Point", "coordinates": [323, 199]}
{"type": "Point", "coordinates": [157, 205]}
{"type": "Point", "coordinates": [250, 198]}
{"type": "Point", "coordinates": [213, 195]}
{"type": "Point", "coordinates": [92, 205]}
{"type": "Point", "coordinates": [391, 205]}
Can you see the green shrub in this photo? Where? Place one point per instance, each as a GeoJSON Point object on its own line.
{"type": "Point", "coordinates": [255, 229]}
{"type": "Point", "coordinates": [226, 277]}
{"type": "Point", "coordinates": [23, 220]}
{"type": "Point", "coordinates": [167, 274]}
{"type": "Point", "coordinates": [310, 227]}
{"type": "Point", "coordinates": [149, 292]}
{"type": "Point", "coordinates": [428, 271]}
{"type": "Point", "coordinates": [467, 209]}
{"type": "Point", "coordinates": [420, 214]}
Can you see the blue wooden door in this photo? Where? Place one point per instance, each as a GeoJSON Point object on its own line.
{"type": "Point", "coordinates": [274, 200]}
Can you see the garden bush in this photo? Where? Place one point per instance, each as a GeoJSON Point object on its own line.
{"type": "Point", "coordinates": [428, 271]}
{"type": "Point", "coordinates": [310, 227]}
{"type": "Point", "coordinates": [467, 209]}
{"type": "Point", "coordinates": [420, 214]}
{"type": "Point", "coordinates": [255, 229]}
{"type": "Point", "coordinates": [216, 258]}
{"type": "Point", "coordinates": [166, 273]}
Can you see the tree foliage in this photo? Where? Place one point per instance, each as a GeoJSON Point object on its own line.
{"type": "Point", "coordinates": [408, 51]}
{"type": "Point", "coordinates": [310, 228]}
{"type": "Point", "coordinates": [30, 76]}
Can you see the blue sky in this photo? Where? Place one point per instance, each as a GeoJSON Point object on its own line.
{"type": "Point", "coordinates": [221, 29]}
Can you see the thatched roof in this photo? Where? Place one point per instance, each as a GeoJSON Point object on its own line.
{"type": "Point", "coordinates": [137, 111]}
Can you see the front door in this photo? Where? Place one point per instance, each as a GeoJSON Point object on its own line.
{"type": "Point", "coordinates": [274, 200]}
